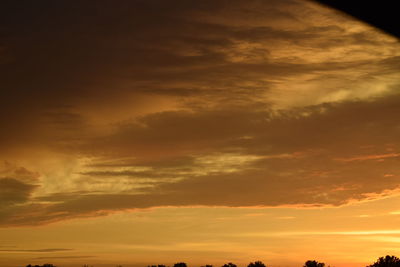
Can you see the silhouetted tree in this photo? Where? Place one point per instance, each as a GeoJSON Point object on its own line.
{"type": "Point", "coordinates": [159, 265]}
{"type": "Point", "coordinates": [313, 264]}
{"type": "Point", "coordinates": [230, 264]}
{"type": "Point", "coordinates": [256, 264]}
{"type": "Point", "coordinates": [180, 264]}
{"type": "Point", "coordinates": [388, 261]}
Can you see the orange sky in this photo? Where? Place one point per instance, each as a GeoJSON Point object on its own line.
{"type": "Point", "coordinates": [153, 132]}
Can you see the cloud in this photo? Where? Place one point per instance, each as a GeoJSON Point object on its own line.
{"type": "Point", "coordinates": [152, 103]}
{"type": "Point", "coordinates": [372, 157]}
{"type": "Point", "coordinates": [64, 257]}
{"type": "Point", "coordinates": [36, 250]}
{"type": "Point", "coordinates": [344, 233]}
{"type": "Point", "coordinates": [290, 160]}
{"type": "Point", "coordinates": [14, 191]}
{"type": "Point", "coordinates": [181, 51]}
{"type": "Point", "coordinates": [16, 184]}
{"type": "Point", "coordinates": [306, 142]}
{"type": "Point", "coordinates": [9, 170]}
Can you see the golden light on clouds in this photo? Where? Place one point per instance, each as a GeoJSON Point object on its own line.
{"type": "Point", "coordinates": [154, 132]}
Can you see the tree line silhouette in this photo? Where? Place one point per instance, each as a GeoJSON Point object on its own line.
{"type": "Point", "coordinates": [387, 261]}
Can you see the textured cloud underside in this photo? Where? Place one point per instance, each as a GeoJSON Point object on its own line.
{"type": "Point", "coordinates": [216, 103]}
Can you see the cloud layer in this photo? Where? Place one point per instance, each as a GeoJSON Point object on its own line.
{"type": "Point", "coordinates": [150, 103]}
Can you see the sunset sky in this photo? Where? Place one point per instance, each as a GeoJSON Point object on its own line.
{"type": "Point", "coordinates": [154, 132]}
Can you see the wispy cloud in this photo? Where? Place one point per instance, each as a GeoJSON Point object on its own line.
{"type": "Point", "coordinates": [46, 250]}
{"type": "Point", "coordinates": [322, 233]}
{"type": "Point", "coordinates": [371, 157]}
{"type": "Point", "coordinates": [64, 257]}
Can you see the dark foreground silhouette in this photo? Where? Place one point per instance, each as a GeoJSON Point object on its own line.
{"type": "Point", "coordinates": [387, 261]}
{"type": "Point", "coordinates": [314, 264]}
